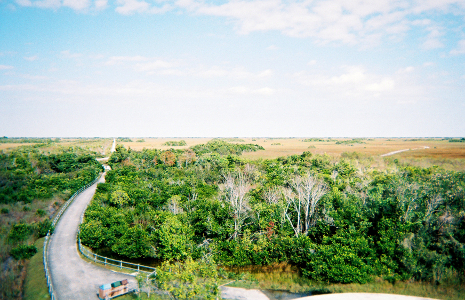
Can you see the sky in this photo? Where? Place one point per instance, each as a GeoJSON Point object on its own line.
{"type": "Point", "coordinates": [264, 68]}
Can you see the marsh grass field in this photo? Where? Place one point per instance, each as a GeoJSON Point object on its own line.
{"type": "Point", "coordinates": [439, 151]}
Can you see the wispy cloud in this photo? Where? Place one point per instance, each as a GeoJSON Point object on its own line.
{"type": "Point", "coordinates": [357, 22]}
{"type": "Point", "coordinates": [5, 67]}
{"type": "Point", "coordinates": [460, 48]}
{"type": "Point", "coordinates": [31, 58]}
{"type": "Point", "coordinates": [69, 54]}
{"type": "Point", "coordinates": [129, 7]}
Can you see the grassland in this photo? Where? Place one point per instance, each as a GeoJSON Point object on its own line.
{"type": "Point", "coordinates": [440, 152]}
{"type": "Point", "coordinates": [35, 286]}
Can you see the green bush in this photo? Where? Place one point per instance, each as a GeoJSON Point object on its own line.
{"type": "Point", "coordinates": [41, 212]}
{"type": "Point", "coordinates": [19, 232]}
{"type": "Point", "coordinates": [23, 252]}
{"type": "Point", "coordinates": [43, 227]}
{"type": "Point", "coordinates": [5, 210]}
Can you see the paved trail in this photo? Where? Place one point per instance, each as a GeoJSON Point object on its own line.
{"type": "Point", "coordinates": [72, 277]}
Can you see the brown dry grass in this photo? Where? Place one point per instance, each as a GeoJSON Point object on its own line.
{"type": "Point", "coordinates": [10, 146]}
{"type": "Point", "coordinates": [157, 143]}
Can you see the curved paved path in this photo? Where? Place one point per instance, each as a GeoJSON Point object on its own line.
{"type": "Point", "coordinates": [72, 277]}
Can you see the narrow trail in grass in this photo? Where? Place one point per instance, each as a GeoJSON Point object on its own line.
{"type": "Point", "coordinates": [403, 150]}
{"type": "Point", "coordinates": [72, 277]}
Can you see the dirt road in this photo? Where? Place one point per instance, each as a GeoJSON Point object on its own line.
{"type": "Point", "coordinates": [72, 277]}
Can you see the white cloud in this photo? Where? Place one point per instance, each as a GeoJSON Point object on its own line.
{"type": "Point", "coordinates": [406, 70]}
{"type": "Point", "coordinates": [460, 48]}
{"type": "Point", "coordinates": [4, 67]}
{"type": "Point", "coordinates": [68, 54]}
{"type": "Point", "coordinates": [100, 4]}
{"type": "Point", "coordinates": [77, 4]}
{"type": "Point", "coordinates": [153, 65]}
{"type": "Point", "coordinates": [272, 47]}
{"type": "Point", "coordinates": [312, 62]}
{"type": "Point", "coordinates": [129, 7]}
{"type": "Point", "coordinates": [31, 58]}
{"type": "Point", "coordinates": [385, 85]}
{"type": "Point", "coordinates": [114, 60]}
{"type": "Point", "coordinates": [40, 3]}
{"type": "Point", "coordinates": [236, 73]}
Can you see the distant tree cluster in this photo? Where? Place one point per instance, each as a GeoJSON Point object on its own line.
{"type": "Point", "coordinates": [124, 140]}
{"type": "Point", "coordinates": [224, 148]}
{"type": "Point", "coordinates": [314, 140]}
{"type": "Point", "coordinates": [462, 140]}
{"type": "Point", "coordinates": [175, 143]}
{"type": "Point", "coordinates": [28, 140]}
{"type": "Point", "coordinates": [351, 142]}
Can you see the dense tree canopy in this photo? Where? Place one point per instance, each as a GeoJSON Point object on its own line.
{"type": "Point", "coordinates": [334, 221]}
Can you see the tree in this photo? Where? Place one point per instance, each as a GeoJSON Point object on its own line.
{"type": "Point", "coordinates": [303, 196]}
{"type": "Point", "coordinates": [134, 243]}
{"type": "Point", "coordinates": [190, 279]}
{"type": "Point", "coordinates": [168, 158]}
{"type": "Point", "coordinates": [235, 190]}
{"type": "Point", "coordinates": [119, 198]}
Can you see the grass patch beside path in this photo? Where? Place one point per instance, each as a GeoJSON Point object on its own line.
{"type": "Point", "coordinates": [35, 285]}
{"type": "Point", "coordinates": [295, 284]}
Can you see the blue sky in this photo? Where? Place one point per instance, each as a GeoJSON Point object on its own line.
{"type": "Point", "coordinates": [355, 68]}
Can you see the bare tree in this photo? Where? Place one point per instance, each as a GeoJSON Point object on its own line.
{"type": "Point", "coordinates": [235, 190]}
{"type": "Point", "coordinates": [303, 196]}
{"type": "Point", "coordinates": [271, 195]}
{"type": "Point", "coordinates": [407, 197]}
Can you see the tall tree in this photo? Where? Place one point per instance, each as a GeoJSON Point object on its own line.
{"type": "Point", "coordinates": [235, 190]}
{"type": "Point", "coordinates": [303, 196]}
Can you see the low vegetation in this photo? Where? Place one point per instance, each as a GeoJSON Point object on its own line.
{"type": "Point", "coordinates": [34, 182]}
{"type": "Point", "coordinates": [175, 143]}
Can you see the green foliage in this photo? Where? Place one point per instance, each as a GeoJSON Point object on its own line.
{"type": "Point", "coordinates": [119, 155]}
{"type": "Point", "coordinates": [189, 280]}
{"type": "Point", "coordinates": [313, 140]}
{"type": "Point", "coordinates": [41, 212]}
{"type": "Point", "coordinates": [124, 140]}
{"type": "Point", "coordinates": [23, 252]}
{"type": "Point", "coordinates": [5, 210]}
{"type": "Point", "coordinates": [43, 227]}
{"type": "Point", "coordinates": [406, 224]}
{"type": "Point", "coordinates": [119, 198]}
{"type": "Point", "coordinates": [20, 232]}
{"type": "Point", "coordinates": [461, 140]}
{"type": "Point", "coordinates": [175, 143]}
{"type": "Point", "coordinates": [134, 243]}
{"type": "Point", "coordinates": [224, 148]}
{"type": "Point", "coordinates": [173, 239]}
{"type": "Point", "coordinates": [351, 142]}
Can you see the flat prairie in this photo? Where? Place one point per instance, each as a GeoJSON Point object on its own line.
{"type": "Point", "coordinates": [417, 151]}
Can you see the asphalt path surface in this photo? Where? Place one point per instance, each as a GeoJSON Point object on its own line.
{"type": "Point", "coordinates": [72, 277]}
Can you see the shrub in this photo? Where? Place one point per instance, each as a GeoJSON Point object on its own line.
{"type": "Point", "coordinates": [41, 212]}
{"type": "Point", "coordinates": [23, 252]}
{"type": "Point", "coordinates": [5, 210]}
{"type": "Point", "coordinates": [19, 232]}
{"type": "Point", "coordinates": [43, 227]}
